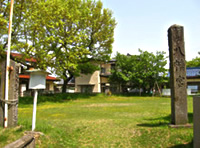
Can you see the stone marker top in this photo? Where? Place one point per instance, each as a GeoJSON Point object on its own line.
{"type": "Point", "coordinates": [175, 25]}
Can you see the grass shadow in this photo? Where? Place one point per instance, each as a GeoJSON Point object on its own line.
{"type": "Point", "coordinates": [153, 124]}
{"type": "Point", "coordinates": [190, 117]}
{"type": "Point", "coordinates": [129, 94]}
{"type": "Point", "coordinates": [156, 122]}
{"type": "Point", "coordinates": [188, 145]}
{"type": "Point", "coordinates": [162, 121]}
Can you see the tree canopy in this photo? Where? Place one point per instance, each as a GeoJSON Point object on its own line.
{"type": "Point", "coordinates": [139, 71]}
{"type": "Point", "coordinates": [194, 62]}
{"type": "Point", "coordinates": [64, 35]}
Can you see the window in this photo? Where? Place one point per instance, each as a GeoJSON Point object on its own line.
{"type": "Point", "coordinates": [112, 66]}
{"type": "Point", "coordinates": [87, 88]}
{"type": "Point", "coordinates": [194, 88]}
{"type": "Point", "coordinates": [47, 86]}
{"type": "Point", "coordinates": [103, 70]}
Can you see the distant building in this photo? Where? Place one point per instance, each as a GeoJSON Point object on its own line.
{"type": "Point", "coordinates": [70, 85]}
{"type": "Point", "coordinates": [193, 79]}
{"type": "Point", "coordinates": [95, 82]}
{"type": "Point", "coordinates": [24, 76]}
{"type": "Point", "coordinates": [24, 83]}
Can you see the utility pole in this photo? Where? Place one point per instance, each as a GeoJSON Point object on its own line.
{"type": "Point", "coordinates": [8, 65]}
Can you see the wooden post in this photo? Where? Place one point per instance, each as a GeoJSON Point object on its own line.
{"type": "Point", "coordinates": [25, 141]}
{"type": "Point", "coordinates": [2, 92]}
{"type": "Point", "coordinates": [196, 121]}
{"type": "Point", "coordinates": [13, 94]}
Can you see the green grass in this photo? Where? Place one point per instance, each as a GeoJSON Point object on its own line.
{"type": "Point", "coordinates": [101, 121]}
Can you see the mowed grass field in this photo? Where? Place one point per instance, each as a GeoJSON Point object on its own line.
{"type": "Point", "coordinates": [101, 121]}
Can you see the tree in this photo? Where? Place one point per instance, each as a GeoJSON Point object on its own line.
{"type": "Point", "coordinates": [121, 73]}
{"type": "Point", "coordinates": [20, 9]}
{"type": "Point", "coordinates": [139, 71]}
{"type": "Point", "coordinates": [3, 20]}
{"type": "Point", "coordinates": [152, 68]}
{"type": "Point", "coordinates": [66, 35]}
{"type": "Point", "coordinates": [194, 62]}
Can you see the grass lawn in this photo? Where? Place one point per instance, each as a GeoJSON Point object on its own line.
{"type": "Point", "coordinates": [102, 121]}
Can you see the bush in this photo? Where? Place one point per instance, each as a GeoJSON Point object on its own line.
{"type": "Point", "coordinates": [109, 93]}
{"type": "Point", "coordinates": [55, 97]}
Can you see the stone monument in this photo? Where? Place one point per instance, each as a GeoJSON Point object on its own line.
{"type": "Point", "coordinates": [178, 81]}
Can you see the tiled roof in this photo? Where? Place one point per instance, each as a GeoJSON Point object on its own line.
{"type": "Point", "coordinates": [193, 72]}
{"type": "Point", "coordinates": [47, 77]}
{"type": "Point", "coordinates": [17, 55]}
{"type": "Point", "coordinates": [190, 72]}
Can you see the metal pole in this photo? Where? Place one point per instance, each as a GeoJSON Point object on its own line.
{"type": "Point", "coordinates": [8, 65]}
{"type": "Point", "coordinates": [34, 109]}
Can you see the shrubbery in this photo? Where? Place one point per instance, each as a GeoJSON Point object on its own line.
{"type": "Point", "coordinates": [54, 97]}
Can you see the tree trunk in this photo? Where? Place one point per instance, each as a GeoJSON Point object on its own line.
{"type": "Point", "coordinates": [64, 88]}
{"type": "Point", "coordinates": [66, 81]}
{"type": "Point", "coordinates": [140, 92]}
{"type": "Point", "coordinates": [144, 90]}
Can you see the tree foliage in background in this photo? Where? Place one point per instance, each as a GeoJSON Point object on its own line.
{"type": "Point", "coordinates": [3, 20]}
{"type": "Point", "coordinates": [18, 19]}
{"type": "Point", "coordinates": [194, 62]}
{"type": "Point", "coordinates": [139, 71]}
{"type": "Point", "coordinates": [65, 35]}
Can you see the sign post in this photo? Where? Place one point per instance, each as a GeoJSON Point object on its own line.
{"type": "Point", "coordinates": [37, 81]}
{"type": "Point", "coordinates": [34, 109]}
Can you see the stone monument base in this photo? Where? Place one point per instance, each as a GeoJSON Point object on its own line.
{"type": "Point", "coordinates": [181, 126]}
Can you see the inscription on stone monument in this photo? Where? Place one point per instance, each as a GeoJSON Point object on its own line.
{"type": "Point", "coordinates": [178, 81]}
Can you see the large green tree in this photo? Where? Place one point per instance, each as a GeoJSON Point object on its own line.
{"type": "Point", "coordinates": [139, 71]}
{"type": "Point", "coordinates": [67, 36]}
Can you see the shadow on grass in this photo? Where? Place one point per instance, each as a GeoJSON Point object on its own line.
{"type": "Point", "coordinates": [162, 121]}
{"type": "Point", "coordinates": [153, 124]}
{"type": "Point", "coordinates": [62, 97]}
{"type": "Point", "coordinates": [189, 145]}
{"type": "Point", "coordinates": [129, 94]}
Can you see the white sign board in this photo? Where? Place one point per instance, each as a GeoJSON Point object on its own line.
{"type": "Point", "coordinates": [37, 80]}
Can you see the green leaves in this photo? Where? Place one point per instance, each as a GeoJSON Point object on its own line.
{"type": "Point", "coordinates": [194, 62]}
{"type": "Point", "coordinates": [139, 71]}
{"type": "Point", "coordinates": [60, 34]}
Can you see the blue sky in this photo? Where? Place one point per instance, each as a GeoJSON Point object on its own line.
{"type": "Point", "coordinates": [144, 23]}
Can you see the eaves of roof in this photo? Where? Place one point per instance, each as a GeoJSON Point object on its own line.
{"type": "Point", "coordinates": [17, 55]}
{"type": "Point", "coordinates": [50, 78]}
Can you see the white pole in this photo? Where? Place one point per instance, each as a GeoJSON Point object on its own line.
{"type": "Point", "coordinates": [34, 109]}
{"type": "Point", "coordinates": [8, 65]}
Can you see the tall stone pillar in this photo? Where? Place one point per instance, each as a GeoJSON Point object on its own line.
{"type": "Point", "coordinates": [12, 96]}
{"type": "Point", "coordinates": [178, 81]}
